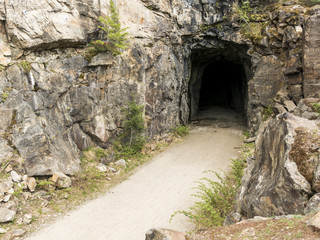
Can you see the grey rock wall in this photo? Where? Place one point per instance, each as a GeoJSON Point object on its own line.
{"type": "Point", "coordinates": [284, 173]}
{"type": "Point", "coordinates": [66, 104]}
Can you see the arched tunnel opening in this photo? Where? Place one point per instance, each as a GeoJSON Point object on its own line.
{"type": "Point", "coordinates": [223, 84]}
{"type": "Point", "coordinates": [218, 81]}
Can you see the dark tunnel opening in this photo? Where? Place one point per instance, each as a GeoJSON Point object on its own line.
{"type": "Point", "coordinates": [223, 84]}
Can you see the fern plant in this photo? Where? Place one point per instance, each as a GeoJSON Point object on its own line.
{"type": "Point", "coordinates": [216, 198]}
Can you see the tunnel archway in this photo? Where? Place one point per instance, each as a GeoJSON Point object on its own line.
{"type": "Point", "coordinates": [218, 79]}
{"type": "Point", "coordinates": [223, 84]}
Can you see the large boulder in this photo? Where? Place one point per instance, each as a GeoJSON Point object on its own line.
{"type": "Point", "coordinates": [285, 171]}
{"type": "Point", "coordinates": [164, 234]}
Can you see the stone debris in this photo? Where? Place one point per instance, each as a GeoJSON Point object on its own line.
{"type": "Point", "coordinates": [15, 176]}
{"type": "Point", "coordinates": [8, 168]}
{"type": "Point", "coordinates": [2, 230]}
{"type": "Point", "coordinates": [102, 168]}
{"type": "Point", "coordinates": [10, 205]}
{"type": "Point", "coordinates": [280, 108]}
{"type": "Point", "coordinates": [289, 105]}
{"type": "Point", "coordinates": [306, 110]}
{"type": "Point", "coordinates": [232, 218]}
{"type": "Point", "coordinates": [61, 180]}
{"type": "Point", "coordinates": [6, 215]}
{"type": "Point", "coordinates": [248, 232]}
{"type": "Point", "coordinates": [111, 169]}
{"type": "Point", "coordinates": [24, 178]}
{"type": "Point", "coordinates": [106, 160]}
{"type": "Point", "coordinates": [121, 163]}
{"type": "Point", "coordinates": [6, 198]}
{"type": "Point", "coordinates": [6, 186]}
{"type": "Point", "coordinates": [27, 218]}
{"type": "Point", "coordinates": [313, 205]}
{"type": "Point", "coordinates": [164, 234]}
{"type": "Point", "coordinates": [314, 221]}
{"type": "Point", "coordinates": [31, 184]}
{"type": "Point", "coordinates": [250, 140]}
{"type": "Point", "coordinates": [27, 195]}
{"type": "Point", "coordinates": [18, 233]}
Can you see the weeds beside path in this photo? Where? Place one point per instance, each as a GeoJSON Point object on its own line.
{"type": "Point", "coordinates": [148, 198]}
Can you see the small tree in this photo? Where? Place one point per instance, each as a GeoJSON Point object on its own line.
{"type": "Point", "coordinates": [116, 37]}
{"type": "Point", "coordinates": [131, 139]}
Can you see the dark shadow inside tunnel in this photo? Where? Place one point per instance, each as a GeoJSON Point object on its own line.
{"type": "Point", "coordinates": [223, 84]}
{"type": "Point", "coordinates": [218, 81]}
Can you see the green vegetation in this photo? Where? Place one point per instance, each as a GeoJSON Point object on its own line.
{"type": "Point", "coordinates": [310, 3]}
{"type": "Point", "coordinates": [17, 190]}
{"type": "Point", "coordinates": [180, 131]}
{"type": "Point", "coordinates": [5, 94]}
{"type": "Point", "coordinates": [245, 11]}
{"type": "Point", "coordinates": [253, 31]}
{"type": "Point", "coordinates": [217, 198]}
{"type": "Point", "coordinates": [316, 107]}
{"type": "Point", "coordinates": [26, 67]}
{"type": "Point", "coordinates": [4, 97]}
{"type": "Point", "coordinates": [266, 113]}
{"type": "Point", "coordinates": [115, 37]}
{"type": "Point", "coordinates": [253, 26]}
{"type": "Point", "coordinates": [131, 140]}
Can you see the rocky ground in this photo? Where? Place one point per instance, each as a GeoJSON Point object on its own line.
{"type": "Point", "coordinates": [277, 228]}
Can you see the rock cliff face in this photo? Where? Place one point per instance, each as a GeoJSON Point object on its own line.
{"type": "Point", "coordinates": [65, 104]}
{"type": "Point", "coordinates": [285, 171]}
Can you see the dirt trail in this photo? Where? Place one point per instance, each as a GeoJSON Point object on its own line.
{"type": "Point", "coordinates": [149, 197]}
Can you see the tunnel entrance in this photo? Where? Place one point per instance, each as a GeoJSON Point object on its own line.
{"type": "Point", "coordinates": [218, 80]}
{"type": "Point", "coordinates": [223, 84]}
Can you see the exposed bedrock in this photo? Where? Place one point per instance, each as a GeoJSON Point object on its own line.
{"type": "Point", "coordinates": [284, 173]}
{"type": "Point", "coordinates": [183, 56]}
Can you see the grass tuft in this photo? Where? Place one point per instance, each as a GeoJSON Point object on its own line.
{"type": "Point", "coordinates": [217, 197]}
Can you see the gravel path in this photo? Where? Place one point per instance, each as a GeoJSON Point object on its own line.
{"type": "Point", "coordinates": [158, 189]}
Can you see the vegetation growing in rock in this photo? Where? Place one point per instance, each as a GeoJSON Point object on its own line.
{"type": "Point", "coordinates": [253, 31]}
{"type": "Point", "coordinates": [115, 37]}
{"type": "Point", "coordinates": [131, 140]}
{"type": "Point", "coordinates": [217, 198]}
{"type": "Point", "coordinates": [266, 113]}
{"type": "Point", "coordinates": [310, 3]}
{"type": "Point", "coordinates": [26, 67]}
{"type": "Point", "coordinates": [253, 26]}
{"type": "Point", "coordinates": [180, 131]}
{"type": "Point", "coordinates": [4, 96]}
{"type": "Point", "coordinates": [316, 107]}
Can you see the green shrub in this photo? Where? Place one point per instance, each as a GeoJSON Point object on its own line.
{"type": "Point", "coordinates": [253, 31]}
{"type": "Point", "coordinates": [266, 113]}
{"type": "Point", "coordinates": [180, 131]}
{"type": "Point", "coordinates": [217, 198]}
{"type": "Point", "coordinates": [116, 38]}
{"type": "Point", "coordinates": [26, 67]}
{"type": "Point", "coordinates": [316, 107]}
{"type": "Point", "coordinates": [131, 139]}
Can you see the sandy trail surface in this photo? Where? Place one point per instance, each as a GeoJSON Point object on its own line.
{"type": "Point", "coordinates": [152, 194]}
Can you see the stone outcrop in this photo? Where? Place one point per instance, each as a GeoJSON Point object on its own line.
{"type": "Point", "coordinates": [164, 234]}
{"type": "Point", "coordinates": [64, 103]}
{"type": "Point", "coordinates": [284, 173]}
{"type": "Point", "coordinates": [311, 62]}
{"type": "Point", "coordinates": [6, 215]}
